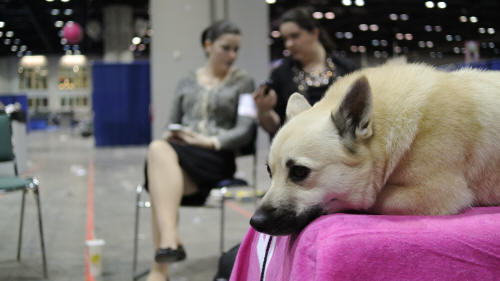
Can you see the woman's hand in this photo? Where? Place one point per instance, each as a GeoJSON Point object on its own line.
{"type": "Point", "coordinates": [265, 102]}
{"type": "Point", "coordinates": [192, 138]}
{"type": "Point", "coordinates": [268, 118]}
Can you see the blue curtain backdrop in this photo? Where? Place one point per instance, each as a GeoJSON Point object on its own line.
{"type": "Point", "coordinates": [120, 100]}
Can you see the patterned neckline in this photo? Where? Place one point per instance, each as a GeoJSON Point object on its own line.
{"type": "Point", "coordinates": [304, 79]}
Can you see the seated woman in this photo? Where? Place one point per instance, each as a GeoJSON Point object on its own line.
{"type": "Point", "coordinates": [198, 151]}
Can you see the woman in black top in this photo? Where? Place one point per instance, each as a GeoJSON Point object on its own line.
{"type": "Point", "coordinates": [310, 70]}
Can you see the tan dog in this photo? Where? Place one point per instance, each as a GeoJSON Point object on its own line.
{"type": "Point", "coordinates": [395, 139]}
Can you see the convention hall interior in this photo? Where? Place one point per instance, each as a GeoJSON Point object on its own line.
{"type": "Point", "coordinates": [88, 84]}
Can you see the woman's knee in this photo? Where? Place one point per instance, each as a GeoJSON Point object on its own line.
{"type": "Point", "coordinates": [160, 149]}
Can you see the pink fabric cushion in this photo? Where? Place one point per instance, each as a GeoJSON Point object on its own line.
{"type": "Point", "coordinates": [371, 247]}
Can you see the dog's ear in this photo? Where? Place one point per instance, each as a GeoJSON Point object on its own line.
{"type": "Point", "coordinates": [353, 118]}
{"type": "Point", "coordinates": [296, 104]}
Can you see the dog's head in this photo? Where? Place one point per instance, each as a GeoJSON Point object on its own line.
{"type": "Point", "coordinates": [319, 162]}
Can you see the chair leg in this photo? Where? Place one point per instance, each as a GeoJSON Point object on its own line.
{"type": "Point", "coordinates": [222, 220]}
{"type": "Point", "coordinates": [254, 180]}
{"type": "Point", "coordinates": [136, 229]}
{"type": "Point", "coordinates": [21, 221]}
{"type": "Point", "coordinates": [40, 225]}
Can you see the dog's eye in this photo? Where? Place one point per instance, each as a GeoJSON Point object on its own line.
{"type": "Point", "coordinates": [269, 171]}
{"type": "Point", "coordinates": [298, 173]}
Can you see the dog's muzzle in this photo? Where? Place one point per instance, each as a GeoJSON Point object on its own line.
{"type": "Point", "coordinates": [282, 221]}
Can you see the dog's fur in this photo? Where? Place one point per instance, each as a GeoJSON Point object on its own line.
{"type": "Point", "coordinates": [394, 139]}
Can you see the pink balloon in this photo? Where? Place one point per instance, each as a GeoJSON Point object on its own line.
{"type": "Point", "coordinates": [72, 31]}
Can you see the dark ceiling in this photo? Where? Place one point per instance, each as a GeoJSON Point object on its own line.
{"type": "Point", "coordinates": [442, 27]}
{"type": "Point", "coordinates": [34, 24]}
{"type": "Point", "coordinates": [434, 31]}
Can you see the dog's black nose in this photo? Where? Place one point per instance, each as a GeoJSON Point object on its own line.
{"type": "Point", "coordinates": [259, 220]}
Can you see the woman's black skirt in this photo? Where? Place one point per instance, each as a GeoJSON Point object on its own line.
{"type": "Point", "coordinates": [205, 167]}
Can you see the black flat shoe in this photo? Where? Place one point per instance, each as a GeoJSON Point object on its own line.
{"type": "Point", "coordinates": [167, 255]}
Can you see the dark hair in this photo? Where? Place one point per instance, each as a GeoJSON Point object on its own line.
{"type": "Point", "coordinates": [302, 16]}
{"type": "Point", "coordinates": [218, 29]}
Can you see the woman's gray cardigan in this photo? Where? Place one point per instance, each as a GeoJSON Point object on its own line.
{"type": "Point", "coordinates": [214, 112]}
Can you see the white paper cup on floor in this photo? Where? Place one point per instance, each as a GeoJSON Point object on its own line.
{"type": "Point", "coordinates": [95, 250]}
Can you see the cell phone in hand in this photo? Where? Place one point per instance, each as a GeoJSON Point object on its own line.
{"type": "Point", "coordinates": [175, 127]}
{"type": "Point", "coordinates": [267, 86]}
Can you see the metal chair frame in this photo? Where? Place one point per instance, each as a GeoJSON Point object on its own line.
{"type": "Point", "coordinates": [32, 186]}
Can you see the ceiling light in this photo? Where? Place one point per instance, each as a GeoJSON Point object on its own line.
{"type": "Point", "coordinates": [373, 27]}
{"type": "Point", "coordinates": [270, 2]}
{"type": "Point", "coordinates": [438, 28]}
{"type": "Point", "coordinates": [456, 50]}
{"type": "Point", "coordinates": [481, 30]}
{"type": "Point", "coordinates": [317, 15]}
{"type": "Point", "coordinates": [363, 27]}
{"type": "Point", "coordinates": [49, 0]}
{"type": "Point", "coordinates": [362, 49]}
{"type": "Point", "coordinates": [354, 48]}
{"type": "Point", "coordinates": [383, 42]}
{"type": "Point", "coordinates": [359, 3]}
{"type": "Point", "coordinates": [449, 37]}
{"type": "Point", "coordinates": [473, 19]}
{"type": "Point", "coordinates": [9, 33]}
{"type": "Point", "coordinates": [376, 54]}
{"type": "Point", "coordinates": [463, 18]}
{"type": "Point", "coordinates": [397, 49]}
{"type": "Point", "coordinates": [13, 48]}
{"type": "Point", "coordinates": [2, 24]}
{"type": "Point", "coordinates": [441, 5]}
{"type": "Point", "coordinates": [64, 41]}
{"type": "Point", "coordinates": [6, 41]}
{"type": "Point", "coordinates": [393, 17]}
{"type": "Point", "coordinates": [136, 40]}
{"type": "Point", "coordinates": [491, 30]}
{"type": "Point", "coordinates": [346, 2]}
{"type": "Point", "coordinates": [429, 44]}
{"type": "Point", "coordinates": [59, 23]}
{"type": "Point", "coordinates": [1, 34]}
{"type": "Point", "coordinates": [421, 44]}
{"type": "Point", "coordinates": [54, 12]}
{"type": "Point", "coordinates": [64, 0]}
{"type": "Point", "coordinates": [339, 34]}
{"type": "Point", "coordinates": [348, 35]}
{"type": "Point", "coordinates": [408, 36]}
{"type": "Point", "coordinates": [429, 4]}
{"type": "Point", "coordinates": [274, 34]}
{"type": "Point", "coordinates": [330, 15]}
{"type": "Point", "coordinates": [399, 36]}
{"type": "Point", "coordinates": [17, 41]}
{"type": "Point", "coordinates": [491, 45]}
{"type": "Point", "coordinates": [458, 38]}
{"type": "Point", "coordinates": [23, 48]}
{"type": "Point", "coordinates": [404, 17]}
{"type": "Point", "coordinates": [428, 28]}
{"type": "Point", "coordinates": [375, 42]}
{"type": "Point", "coordinates": [68, 12]}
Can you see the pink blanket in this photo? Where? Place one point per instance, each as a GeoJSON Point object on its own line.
{"type": "Point", "coordinates": [370, 247]}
